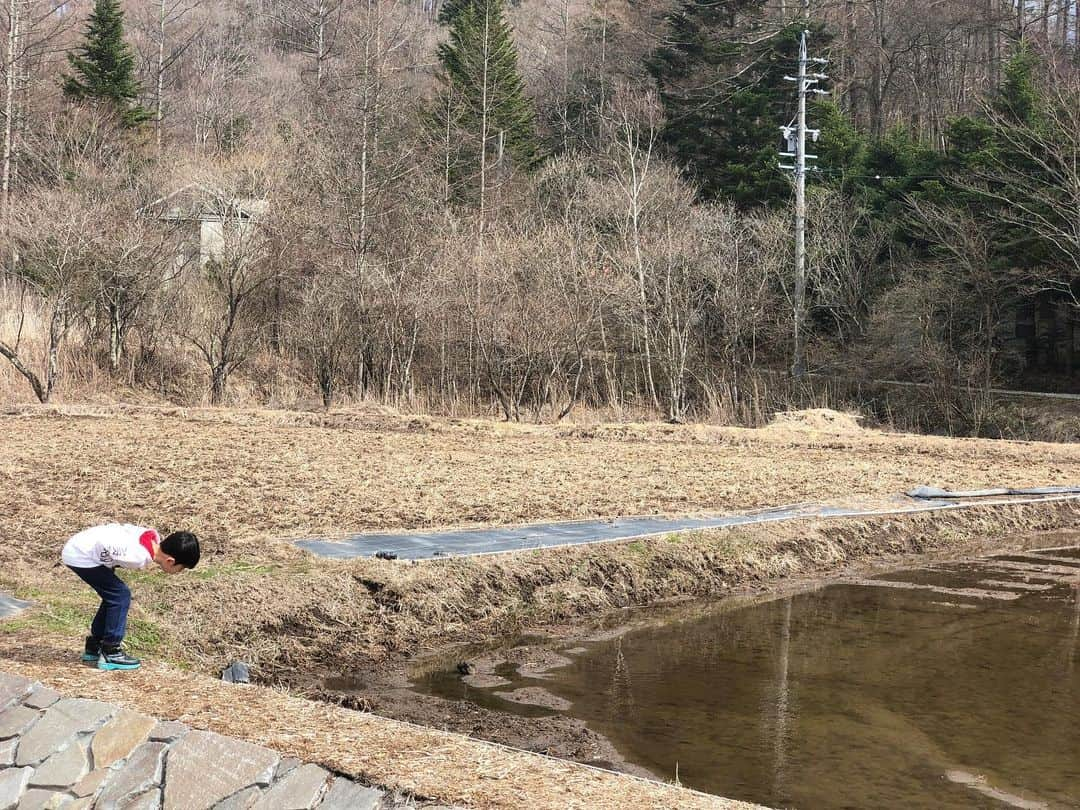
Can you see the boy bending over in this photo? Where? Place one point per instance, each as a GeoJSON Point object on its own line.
{"type": "Point", "coordinates": [95, 553]}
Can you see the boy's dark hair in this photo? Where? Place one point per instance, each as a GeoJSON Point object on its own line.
{"type": "Point", "coordinates": [182, 547]}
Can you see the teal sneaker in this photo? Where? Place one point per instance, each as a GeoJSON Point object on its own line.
{"type": "Point", "coordinates": [92, 651]}
{"type": "Point", "coordinates": [116, 658]}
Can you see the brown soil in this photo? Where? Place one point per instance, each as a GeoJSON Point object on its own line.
{"type": "Point", "coordinates": [240, 477]}
{"type": "Point", "coordinates": [246, 481]}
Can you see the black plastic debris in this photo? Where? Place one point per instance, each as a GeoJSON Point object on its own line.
{"type": "Point", "coordinates": [236, 672]}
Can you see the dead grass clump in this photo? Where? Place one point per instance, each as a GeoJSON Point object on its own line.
{"type": "Point", "coordinates": [824, 420]}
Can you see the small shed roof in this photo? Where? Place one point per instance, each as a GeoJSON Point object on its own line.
{"type": "Point", "coordinates": [196, 202]}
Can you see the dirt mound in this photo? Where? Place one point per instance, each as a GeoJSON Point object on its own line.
{"type": "Point", "coordinates": [817, 419]}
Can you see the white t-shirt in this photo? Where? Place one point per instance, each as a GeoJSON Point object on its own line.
{"type": "Point", "coordinates": [114, 545]}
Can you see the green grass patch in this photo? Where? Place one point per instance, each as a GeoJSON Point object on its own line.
{"type": "Point", "coordinates": [73, 619]}
{"type": "Point", "coordinates": [239, 568]}
{"type": "Point", "coordinates": [54, 618]}
{"type": "Point", "coordinates": [143, 636]}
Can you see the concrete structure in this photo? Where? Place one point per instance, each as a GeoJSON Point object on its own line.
{"type": "Point", "coordinates": [220, 226]}
{"type": "Point", "coordinates": [74, 753]}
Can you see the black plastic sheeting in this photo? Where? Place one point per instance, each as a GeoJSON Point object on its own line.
{"type": "Point", "coordinates": [500, 539]}
{"type": "Point", "coordinates": [9, 605]}
{"type": "Point", "coordinates": [934, 492]}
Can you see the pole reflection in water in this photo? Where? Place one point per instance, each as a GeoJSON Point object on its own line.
{"type": "Point", "coordinates": [854, 695]}
{"type": "Point", "coordinates": [781, 730]}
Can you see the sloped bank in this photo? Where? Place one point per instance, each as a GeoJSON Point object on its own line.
{"type": "Point", "coordinates": [370, 608]}
{"type": "Point", "coordinates": [307, 619]}
{"type": "Point", "coordinates": [304, 622]}
{"type": "Point", "coordinates": [439, 611]}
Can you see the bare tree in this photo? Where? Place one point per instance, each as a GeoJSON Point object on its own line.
{"type": "Point", "coordinates": [966, 249]}
{"type": "Point", "coordinates": [135, 258]}
{"type": "Point", "coordinates": [309, 27]}
{"type": "Point", "coordinates": [218, 105]}
{"type": "Point", "coordinates": [235, 268]}
{"type": "Point", "coordinates": [635, 125]}
{"type": "Point", "coordinates": [843, 256]}
{"type": "Point", "coordinates": [31, 27]}
{"type": "Point", "coordinates": [323, 325]}
{"type": "Point", "coordinates": [54, 237]}
{"type": "Point", "coordinates": [166, 28]}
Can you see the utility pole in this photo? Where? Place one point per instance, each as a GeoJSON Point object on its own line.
{"type": "Point", "coordinates": [795, 140]}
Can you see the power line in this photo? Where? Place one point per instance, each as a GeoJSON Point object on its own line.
{"type": "Point", "coordinates": [877, 176]}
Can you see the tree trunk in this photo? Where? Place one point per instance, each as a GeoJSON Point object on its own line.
{"type": "Point", "coordinates": [877, 105]}
{"type": "Point", "coordinates": [219, 377]}
{"type": "Point", "coordinates": [12, 62]}
{"type": "Point", "coordinates": [325, 373]}
{"type": "Point", "coordinates": [25, 371]}
{"type": "Point", "coordinates": [847, 66]}
{"type": "Point", "coordinates": [57, 329]}
{"type": "Point", "coordinates": [320, 45]}
{"type": "Point", "coordinates": [116, 338]}
{"type": "Point", "coordinates": [158, 102]}
{"type": "Point", "coordinates": [639, 262]}
{"type": "Point", "coordinates": [1076, 25]}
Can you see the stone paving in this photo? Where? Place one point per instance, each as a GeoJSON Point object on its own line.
{"type": "Point", "coordinates": [74, 753]}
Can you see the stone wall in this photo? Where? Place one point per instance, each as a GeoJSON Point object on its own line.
{"type": "Point", "coordinates": [75, 753]}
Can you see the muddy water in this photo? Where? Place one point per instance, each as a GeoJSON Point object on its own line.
{"type": "Point", "coordinates": [961, 691]}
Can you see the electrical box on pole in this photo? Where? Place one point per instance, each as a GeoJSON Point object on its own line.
{"type": "Point", "coordinates": [795, 134]}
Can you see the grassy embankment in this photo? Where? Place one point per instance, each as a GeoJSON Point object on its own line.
{"type": "Point", "coordinates": [248, 481]}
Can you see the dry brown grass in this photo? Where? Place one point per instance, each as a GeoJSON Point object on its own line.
{"type": "Point", "coordinates": [247, 480]}
{"type": "Point", "coordinates": [250, 475]}
{"type": "Point", "coordinates": [332, 607]}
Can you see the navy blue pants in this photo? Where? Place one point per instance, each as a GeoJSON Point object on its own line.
{"type": "Point", "coordinates": [110, 621]}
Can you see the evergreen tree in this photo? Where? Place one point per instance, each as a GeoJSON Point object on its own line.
{"type": "Point", "coordinates": [483, 103]}
{"type": "Point", "coordinates": [104, 67]}
{"type": "Point", "coordinates": [841, 149]}
{"type": "Point", "coordinates": [721, 81]}
{"type": "Point", "coordinates": [1003, 145]}
{"type": "Point", "coordinates": [450, 9]}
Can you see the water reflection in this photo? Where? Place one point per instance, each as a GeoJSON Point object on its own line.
{"type": "Point", "coordinates": [856, 696]}
{"type": "Point", "coordinates": [780, 725]}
